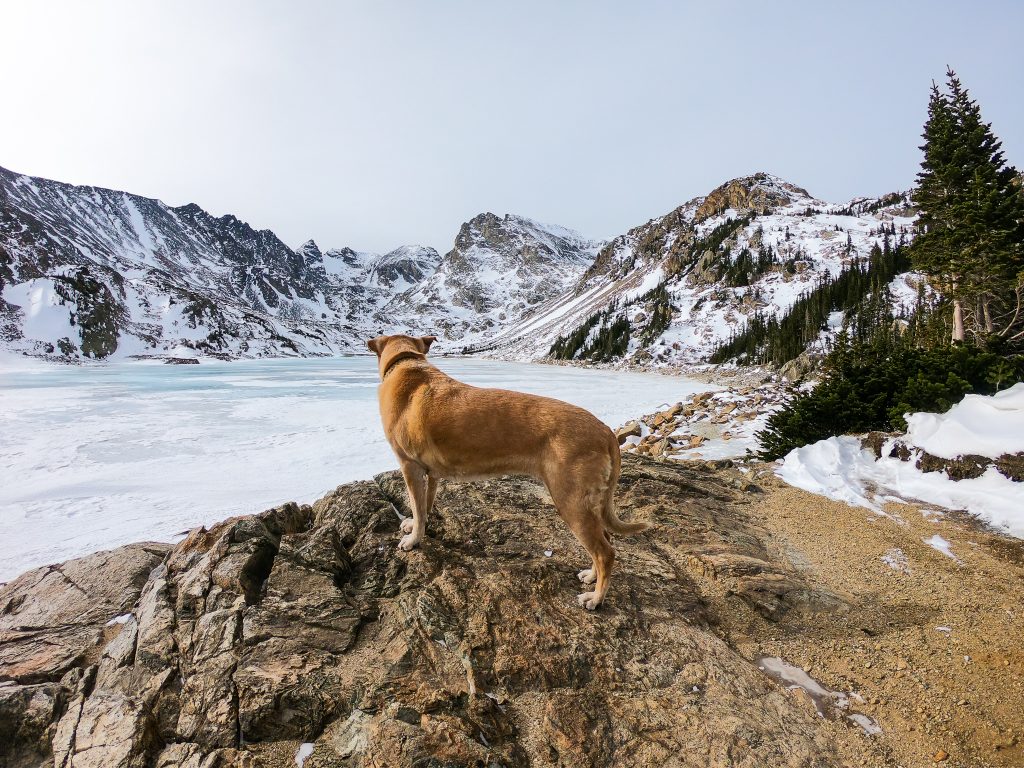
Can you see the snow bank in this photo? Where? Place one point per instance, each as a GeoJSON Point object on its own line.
{"type": "Point", "coordinates": [988, 426]}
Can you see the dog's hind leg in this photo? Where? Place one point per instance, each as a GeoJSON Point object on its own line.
{"type": "Point", "coordinates": [589, 575]}
{"type": "Point", "coordinates": [416, 483]}
{"type": "Point", "coordinates": [591, 535]}
{"type": "Point", "coordinates": [587, 527]}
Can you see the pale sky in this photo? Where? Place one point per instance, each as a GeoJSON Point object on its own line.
{"type": "Point", "coordinates": [375, 124]}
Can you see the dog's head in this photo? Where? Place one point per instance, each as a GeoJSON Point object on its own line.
{"type": "Point", "coordinates": [391, 349]}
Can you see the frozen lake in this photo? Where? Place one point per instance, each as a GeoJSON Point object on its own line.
{"type": "Point", "coordinates": [96, 456]}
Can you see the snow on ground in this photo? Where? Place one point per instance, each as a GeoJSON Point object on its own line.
{"type": "Point", "coordinates": [98, 455]}
{"type": "Point", "coordinates": [988, 426]}
{"type": "Point", "coordinates": [827, 703]}
{"type": "Point", "coordinates": [984, 426]}
{"type": "Point", "coordinates": [47, 315]}
{"type": "Point", "coordinates": [939, 544]}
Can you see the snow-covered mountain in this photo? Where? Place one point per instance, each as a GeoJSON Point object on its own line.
{"type": "Point", "coordinates": [687, 280]}
{"type": "Point", "coordinates": [500, 269]}
{"type": "Point", "coordinates": [91, 272]}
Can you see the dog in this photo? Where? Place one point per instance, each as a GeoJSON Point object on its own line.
{"type": "Point", "coordinates": [440, 428]}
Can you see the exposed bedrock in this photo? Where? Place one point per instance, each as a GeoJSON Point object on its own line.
{"type": "Point", "coordinates": [306, 624]}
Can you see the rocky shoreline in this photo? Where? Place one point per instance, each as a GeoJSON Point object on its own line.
{"type": "Point", "coordinates": [707, 424]}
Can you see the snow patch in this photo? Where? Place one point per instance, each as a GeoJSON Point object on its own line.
{"type": "Point", "coordinates": [304, 751]}
{"type": "Point", "coordinates": [981, 425]}
{"type": "Point", "coordinates": [939, 544]}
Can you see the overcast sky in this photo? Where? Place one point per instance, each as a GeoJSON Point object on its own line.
{"type": "Point", "coordinates": [375, 124]}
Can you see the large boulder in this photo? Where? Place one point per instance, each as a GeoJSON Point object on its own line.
{"type": "Point", "coordinates": [305, 624]}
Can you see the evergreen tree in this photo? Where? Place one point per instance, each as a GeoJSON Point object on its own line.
{"type": "Point", "coordinates": [971, 240]}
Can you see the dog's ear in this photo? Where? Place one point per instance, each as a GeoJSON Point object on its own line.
{"type": "Point", "coordinates": [426, 341]}
{"type": "Point", "coordinates": [376, 345]}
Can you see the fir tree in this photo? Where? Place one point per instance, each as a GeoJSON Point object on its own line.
{"type": "Point", "coordinates": [971, 219]}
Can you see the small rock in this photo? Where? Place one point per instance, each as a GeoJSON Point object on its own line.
{"type": "Point", "coordinates": [629, 429]}
{"type": "Point", "coordinates": [940, 756]}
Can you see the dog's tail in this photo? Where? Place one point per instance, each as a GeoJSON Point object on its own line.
{"type": "Point", "coordinates": [610, 518]}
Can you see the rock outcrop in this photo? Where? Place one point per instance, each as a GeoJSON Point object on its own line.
{"type": "Point", "coordinates": [759, 192]}
{"type": "Point", "coordinates": [305, 624]}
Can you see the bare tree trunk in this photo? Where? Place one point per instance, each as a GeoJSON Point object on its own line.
{"type": "Point", "coordinates": [987, 315]}
{"type": "Point", "coordinates": [958, 322]}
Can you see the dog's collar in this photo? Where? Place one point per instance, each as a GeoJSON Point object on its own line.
{"type": "Point", "coordinates": [400, 357]}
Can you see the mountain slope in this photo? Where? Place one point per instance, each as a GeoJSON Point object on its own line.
{"type": "Point", "coordinates": [499, 269]}
{"type": "Point", "coordinates": [92, 272]}
{"type": "Point", "coordinates": [684, 282]}
{"type": "Point", "coordinates": [98, 271]}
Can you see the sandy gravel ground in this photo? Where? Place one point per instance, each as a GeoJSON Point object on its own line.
{"type": "Point", "coordinates": [933, 645]}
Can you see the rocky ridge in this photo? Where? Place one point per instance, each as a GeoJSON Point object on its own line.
{"type": "Point", "coordinates": [87, 272]}
{"type": "Point", "coordinates": [682, 283]}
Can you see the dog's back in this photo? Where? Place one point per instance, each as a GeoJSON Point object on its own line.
{"type": "Point", "coordinates": [442, 428]}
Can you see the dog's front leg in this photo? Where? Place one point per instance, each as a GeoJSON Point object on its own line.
{"type": "Point", "coordinates": [416, 482]}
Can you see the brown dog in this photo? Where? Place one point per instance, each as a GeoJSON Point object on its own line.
{"type": "Point", "coordinates": [441, 428]}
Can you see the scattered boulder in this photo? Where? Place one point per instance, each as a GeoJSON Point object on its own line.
{"type": "Point", "coordinates": [800, 366]}
{"type": "Point", "coordinates": [702, 397]}
{"type": "Point", "coordinates": [627, 430]}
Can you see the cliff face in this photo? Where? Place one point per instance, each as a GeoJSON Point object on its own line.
{"type": "Point", "coordinates": [305, 624]}
{"type": "Point", "coordinates": [758, 193]}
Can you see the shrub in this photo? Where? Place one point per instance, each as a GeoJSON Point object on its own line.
{"type": "Point", "coordinates": [871, 385]}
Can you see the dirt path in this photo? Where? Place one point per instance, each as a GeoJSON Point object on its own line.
{"type": "Point", "coordinates": [933, 645]}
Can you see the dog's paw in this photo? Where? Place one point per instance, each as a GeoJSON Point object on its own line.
{"type": "Point", "coordinates": [408, 542]}
{"type": "Point", "coordinates": [589, 600]}
{"type": "Point", "coordinates": [406, 525]}
{"type": "Point", "coordinates": [587, 576]}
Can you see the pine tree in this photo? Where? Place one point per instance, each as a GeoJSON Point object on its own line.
{"type": "Point", "coordinates": [971, 240]}
{"type": "Point", "coordinates": [935, 251]}
{"type": "Point", "coordinates": [992, 216]}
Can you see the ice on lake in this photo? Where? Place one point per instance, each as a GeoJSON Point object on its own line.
{"type": "Point", "coordinates": [96, 456]}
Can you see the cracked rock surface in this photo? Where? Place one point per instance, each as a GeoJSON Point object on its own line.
{"type": "Point", "coordinates": [305, 624]}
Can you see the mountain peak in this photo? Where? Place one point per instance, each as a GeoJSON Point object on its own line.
{"type": "Point", "coordinates": [756, 192]}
